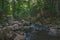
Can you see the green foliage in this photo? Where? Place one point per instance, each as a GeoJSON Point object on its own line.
{"type": "Point", "coordinates": [29, 9]}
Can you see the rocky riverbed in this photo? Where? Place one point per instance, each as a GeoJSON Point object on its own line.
{"type": "Point", "coordinates": [30, 31]}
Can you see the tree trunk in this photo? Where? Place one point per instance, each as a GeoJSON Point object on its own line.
{"type": "Point", "coordinates": [56, 7]}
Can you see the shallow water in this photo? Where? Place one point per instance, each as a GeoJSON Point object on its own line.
{"type": "Point", "coordinates": [41, 36]}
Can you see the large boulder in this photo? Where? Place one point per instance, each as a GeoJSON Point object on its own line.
{"type": "Point", "coordinates": [54, 31]}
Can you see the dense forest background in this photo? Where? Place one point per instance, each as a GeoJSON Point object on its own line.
{"type": "Point", "coordinates": [42, 11]}
{"type": "Point", "coordinates": [28, 15]}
